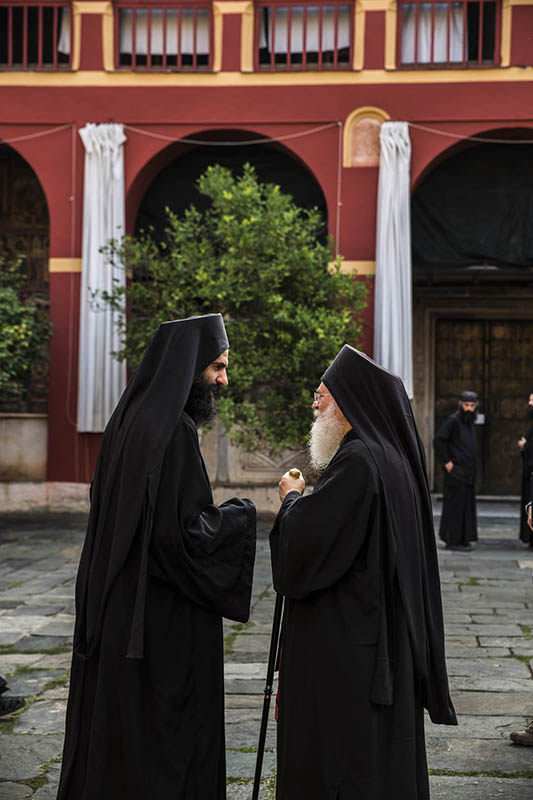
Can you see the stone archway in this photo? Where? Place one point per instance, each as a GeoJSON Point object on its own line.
{"type": "Point", "coordinates": [472, 225]}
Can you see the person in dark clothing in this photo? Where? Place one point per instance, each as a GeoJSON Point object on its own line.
{"type": "Point", "coordinates": [525, 444]}
{"type": "Point", "coordinates": [362, 641]}
{"type": "Point", "coordinates": [455, 446]}
{"type": "Point", "coordinates": [160, 567]}
{"type": "Point", "coordinates": [10, 702]}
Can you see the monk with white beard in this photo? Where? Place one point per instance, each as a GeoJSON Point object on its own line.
{"type": "Point", "coordinates": [362, 641]}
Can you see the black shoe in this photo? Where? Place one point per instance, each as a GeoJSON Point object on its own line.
{"type": "Point", "coordinates": [10, 703]}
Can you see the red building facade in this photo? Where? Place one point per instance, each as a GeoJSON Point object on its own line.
{"type": "Point", "coordinates": [316, 79]}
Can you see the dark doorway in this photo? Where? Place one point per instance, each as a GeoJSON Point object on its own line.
{"type": "Point", "coordinates": [175, 186]}
{"type": "Point", "coordinates": [492, 358]}
{"type": "Point", "coordinates": [24, 235]}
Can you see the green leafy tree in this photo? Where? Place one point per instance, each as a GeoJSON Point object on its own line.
{"type": "Point", "coordinates": [255, 257]}
{"type": "Point", "coordinates": [25, 329]}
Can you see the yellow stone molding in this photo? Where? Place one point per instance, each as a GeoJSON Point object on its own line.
{"type": "Point", "coordinates": [217, 37]}
{"type": "Point", "coordinates": [505, 51]}
{"type": "Point", "coordinates": [374, 5]}
{"type": "Point", "coordinates": [64, 265]}
{"type": "Point", "coordinates": [359, 113]}
{"type": "Point", "coordinates": [91, 6]}
{"type": "Point", "coordinates": [108, 38]}
{"type": "Point", "coordinates": [368, 77]}
{"type": "Point", "coordinates": [356, 267]}
{"type": "Point", "coordinates": [232, 6]}
{"type": "Point", "coordinates": [359, 26]}
{"type": "Point", "coordinates": [391, 32]}
{"type": "Point", "coordinates": [247, 37]}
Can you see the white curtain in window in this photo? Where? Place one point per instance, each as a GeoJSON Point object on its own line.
{"type": "Point", "coordinates": [441, 24]}
{"type": "Point", "coordinates": [101, 378]}
{"type": "Point", "coordinates": [63, 42]}
{"type": "Point", "coordinates": [157, 32]}
{"type": "Point", "coordinates": [312, 42]}
{"type": "Point", "coordinates": [393, 305]}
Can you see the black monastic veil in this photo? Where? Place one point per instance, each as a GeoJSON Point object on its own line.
{"type": "Point", "coordinates": [161, 565]}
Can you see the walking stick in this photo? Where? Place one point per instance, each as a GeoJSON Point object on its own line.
{"type": "Point", "coordinates": [272, 658]}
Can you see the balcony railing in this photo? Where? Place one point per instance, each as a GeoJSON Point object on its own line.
{"type": "Point", "coordinates": [173, 37]}
{"type": "Point", "coordinates": [449, 33]}
{"type": "Point", "coordinates": [300, 36]}
{"type": "Point", "coordinates": [35, 36]}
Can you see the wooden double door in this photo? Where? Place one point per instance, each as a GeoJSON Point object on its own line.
{"type": "Point", "coordinates": [495, 359]}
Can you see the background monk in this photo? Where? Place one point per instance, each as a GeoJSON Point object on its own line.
{"type": "Point", "coordinates": [362, 647]}
{"type": "Point", "coordinates": [160, 567]}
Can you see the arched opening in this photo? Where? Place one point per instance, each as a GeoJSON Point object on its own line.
{"type": "Point", "coordinates": [472, 235]}
{"type": "Point", "coordinates": [175, 185]}
{"type": "Point", "coordinates": [24, 236]}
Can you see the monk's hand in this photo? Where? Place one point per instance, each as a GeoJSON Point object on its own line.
{"type": "Point", "coordinates": [521, 442]}
{"type": "Point", "coordinates": [291, 481]}
{"type": "Point", "coordinates": [448, 466]}
{"type": "Point", "coordinates": [529, 522]}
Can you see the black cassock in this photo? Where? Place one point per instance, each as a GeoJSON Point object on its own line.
{"type": "Point", "coordinates": [145, 716]}
{"type": "Point", "coordinates": [456, 441]}
{"type": "Point", "coordinates": [527, 468]}
{"type": "Point", "coordinates": [362, 648]}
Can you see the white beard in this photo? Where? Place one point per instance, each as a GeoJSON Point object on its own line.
{"type": "Point", "coordinates": [327, 432]}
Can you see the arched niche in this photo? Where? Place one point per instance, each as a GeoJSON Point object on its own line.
{"type": "Point", "coordinates": [361, 145]}
{"type": "Point", "coordinates": [25, 234]}
{"type": "Point", "coordinates": [173, 182]}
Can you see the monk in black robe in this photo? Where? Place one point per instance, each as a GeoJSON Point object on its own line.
{"type": "Point", "coordinates": [362, 642]}
{"type": "Point", "coordinates": [160, 567]}
{"type": "Point", "coordinates": [525, 443]}
{"type": "Point", "coordinates": [455, 447]}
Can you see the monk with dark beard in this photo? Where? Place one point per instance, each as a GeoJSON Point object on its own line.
{"type": "Point", "coordinates": [161, 565]}
{"type": "Point", "coordinates": [362, 641]}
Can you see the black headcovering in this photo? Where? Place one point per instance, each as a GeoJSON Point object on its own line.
{"type": "Point", "coordinates": [468, 397]}
{"type": "Point", "coordinates": [126, 478]}
{"type": "Point", "coordinates": [376, 405]}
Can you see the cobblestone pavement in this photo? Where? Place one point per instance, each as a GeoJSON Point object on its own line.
{"type": "Point", "coordinates": [488, 600]}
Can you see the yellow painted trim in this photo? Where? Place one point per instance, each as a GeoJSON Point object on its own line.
{"type": "Point", "coordinates": [364, 111]}
{"type": "Point", "coordinates": [247, 37]}
{"type": "Point", "coordinates": [108, 38]}
{"type": "Point", "coordinates": [374, 5]}
{"type": "Point", "coordinates": [505, 51]}
{"type": "Point", "coordinates": [521, 2]}
{"type": "Point", "coordinates": [391, 32]}
{"type": "Point", "coordinates": [76, 38]}
{"type": "Point", "coordinates": [217, 38]}
{"type": "Point", "coordinates": [242, 80]}
{"type": "Point", "coordinates": [355, 267]}
{"type": "Point", "coordinates": [90, 6]}
{"type": "Point", "coordinates": [359, 23]}
{"type": "Point", "coordinates": [64, 265]}
{"type": "Point", "coordinates": [231, 7]}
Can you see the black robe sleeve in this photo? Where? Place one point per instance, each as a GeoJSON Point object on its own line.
{"type": "Point", "coordinates": [442, 439]}
{"type": "Point", "coordinates": [205, 551]}
{"type": "Point", "coordinates": [317, 537]}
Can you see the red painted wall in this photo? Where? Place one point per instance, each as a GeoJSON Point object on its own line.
{"type": "Point", "coordinates": [522, 36]}
{"type": "Point", "coordinates": [375, 40]}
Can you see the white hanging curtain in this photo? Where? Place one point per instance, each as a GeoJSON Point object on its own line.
{"type": "Point", "coordinates": [63, 42]}
{"type": "Point", "coordinates": [101, 378]}
{"type": "Point", "coordinates": [393, 304]}
{"type": "Point", "coordinates": [312, 39]}
{"type": "Point", "coordinates": [192, 24]}
{"type": "Point", "coordinates": [441, 21]}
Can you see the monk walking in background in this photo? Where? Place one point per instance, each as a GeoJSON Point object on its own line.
{"type": "Point", "coordinates": [160, 567]}
{"type": "Point", "coordinates": [362, 642]}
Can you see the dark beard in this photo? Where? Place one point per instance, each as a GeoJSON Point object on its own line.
{"type": "Point", "coordinates": [468, 416]}
{"type": "Point", "coordinates": [201, 404]}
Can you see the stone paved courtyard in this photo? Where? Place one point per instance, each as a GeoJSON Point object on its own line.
{"type": "Point", "coordinates": [488, 600]}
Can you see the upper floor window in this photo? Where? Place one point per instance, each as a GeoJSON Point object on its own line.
{"type": "Point", "coordinates": [173, 37]}
{"type": "Point", "coordinates": [448, 33]}
{"type": "Point", "coordinates": [316, 35]}
{"type": "Point", "coordinates": [35, 36]}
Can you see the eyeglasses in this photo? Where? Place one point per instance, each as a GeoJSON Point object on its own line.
{"type": "Point", "coordinates": [318, 395]}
